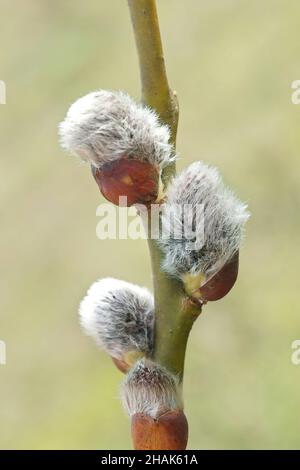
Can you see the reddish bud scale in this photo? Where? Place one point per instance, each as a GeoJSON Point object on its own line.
{"type": "Point", "coordinates": [135, 179]}
{"type": "Point", "coordinates": [222, 282]}
{"type": "Point", "coordinates": [121, 365]}
{"type": "Point", "coordinates": [168, 432]}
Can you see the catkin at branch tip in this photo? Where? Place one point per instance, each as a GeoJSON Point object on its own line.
{"type": "Point", "coordinates": [224, 220]}
{"type": "Point", "coordinates": [104, 126]}
{"type": "Point", "coordinates": [119, 316]}
{"type": "Point", "coordinates": [150, 389]}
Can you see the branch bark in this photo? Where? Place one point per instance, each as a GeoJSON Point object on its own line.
{"type": "Point", "coordinates": [174, 313]}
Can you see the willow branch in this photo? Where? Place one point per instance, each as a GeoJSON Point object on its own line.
{"type": "Point", "coordinates": [155, 88]}
{"type": "Point", "coordinates": [173, 312]}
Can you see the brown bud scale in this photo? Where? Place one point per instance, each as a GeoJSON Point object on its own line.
{"type": "Point", "coordinates": [168, 432]}
{"type": "Point", "coordinates": [121, 365]}
{"type": "Point", "coordinates": [135, 179]}
{"type": "Point", "coordinates": [222, 282]}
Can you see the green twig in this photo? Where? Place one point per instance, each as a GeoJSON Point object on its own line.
{"type": "Point", "coordinates": [174, 314]}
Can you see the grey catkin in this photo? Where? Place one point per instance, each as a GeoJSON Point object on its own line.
{"type": "Point", "coordinates": [119, 316]}
{"type": "Point", "coordinates": [150, 389]}
{"type": "Point", "coordinates": [224, 217]}
{"type": "Point", "coordinates": [104, 126]}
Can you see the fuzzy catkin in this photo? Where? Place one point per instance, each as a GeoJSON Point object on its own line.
{"type": "Point", "coordinates": [223, 217]}
{"type": "Point", "coordinates": [150, 389]}
{"type": "Point", "coordinates": [104, 126]}
{"type": "Point", "coordinates": [119, 316]}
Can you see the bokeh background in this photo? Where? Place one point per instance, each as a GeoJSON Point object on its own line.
{"type": "Point", "coordinates": [232, 63]}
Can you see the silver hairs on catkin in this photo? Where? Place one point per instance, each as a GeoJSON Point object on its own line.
{"type": "Point", "coordinates": [223, 217]}
{"type": "Point", "coordinates": [119, 316]}
{"type": "Point", "coordinates": [151, 390]}
{"type": "Point", "coordinates": [104, 126]}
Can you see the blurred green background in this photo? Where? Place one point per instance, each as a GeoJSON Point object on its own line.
{"type": "Point", "coordinates": [232, 63]}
